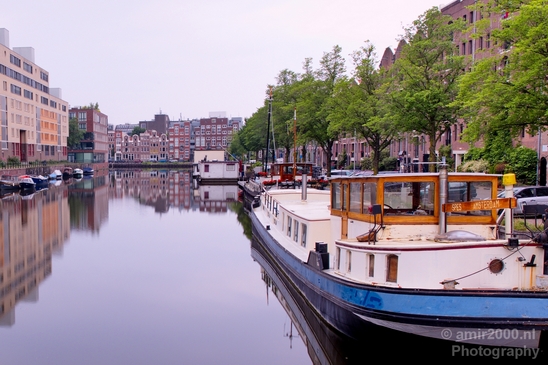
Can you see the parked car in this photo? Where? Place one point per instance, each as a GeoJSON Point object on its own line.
{"type": "Point", "coordinates": [528, 195]}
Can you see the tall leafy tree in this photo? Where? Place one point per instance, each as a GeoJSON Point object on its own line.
{"type": "Point", "coordinates": [285, 97]}
{"type": "Point", "coordinates": [75, 134]}
{"type": "Point", "coordinates": [314, 107]}
{"type": "Point", "coordinates": [252, 136]}
{"type": "Point", "coordinates": [424, 82]}
{"type": "Point", "coordinates": [508, 91]}
{"type": "Point", "coordinates": [357, 105]}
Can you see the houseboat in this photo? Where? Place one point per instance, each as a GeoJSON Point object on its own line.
{"type": "Point", "coordinates": [421, 253]}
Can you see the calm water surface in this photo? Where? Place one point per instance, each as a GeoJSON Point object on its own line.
{"type": "Point", "coordinates": [136, 268]}
{"type": "Point", "coordinates": [144, 267]}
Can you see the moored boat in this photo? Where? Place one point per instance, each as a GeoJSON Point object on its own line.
{"type": "Point", "coordinates": [67, 173]}
{"type": "Point", "coordinates": [87, 171]}
{"type": "Point", "coordinates": [26, 182]}
{"type": "Point", "coordinates": [419, 253]}
{"type": "Point", "coordinates": [9, 183]}
{"type": "Point", "coordinates": [40, 181]}
{"type": "Point", "coordinates": [78, 173]}
{"type": "Point", "coordinates": [55, 175]}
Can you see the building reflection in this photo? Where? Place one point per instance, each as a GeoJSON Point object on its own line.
{"type": "Point", "coordinates": [32, 228]}
{"type": "Point", "coordinates": [88, 203]}
{"type": "Point", "coordinates": [171, 189]}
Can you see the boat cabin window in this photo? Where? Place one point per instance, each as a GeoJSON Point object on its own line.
{"type": "Point", "coordinates": [338, 258]}
{"type": "Point", "coordinates": [303, 235]}
{"type": "Point", "coordinates": [336, 196]}
{"type": "Point", "coordinates": [362, 196]}
{"type": "Point", "coordinates": [369, 196]}
{"type": "Point", "coordinates": [296, 235]}
{"type": "Point", "coordinates": [408, 198]}
{"type": "Point", "coordinates": [348, 261]}
{"type": "Point", "coordinates": [464, 191]}
{"type": "Point", "coordinates": [275, 208]}
{"type": "Point", "coordinates": [392, 268]}
{"type": "Point", "coordinates": [371, 265]}
{"type": "Point", "coordinates": [289, 226]}
{"type": "Point", "coordinates": [355, 197]}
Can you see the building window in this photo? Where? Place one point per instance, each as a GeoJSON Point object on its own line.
{"type": "Point", "coordinates": [15, 60]}
{"type": "Point", "coordinates": [15, 89]}
{"type": "Point", "coordinates": [82, 116]}
{"type": "Point", "coordinates": [27, 67]}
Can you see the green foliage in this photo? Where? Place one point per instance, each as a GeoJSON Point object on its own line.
{"type": "Point", "coordinates": [137, 130]}
{"type": "Point", "coordinates": [447, 152]}
{"type": "Point", "coordinates": [507, 91]}
{"type": "Point", "coordinates": [92, 106]}
{"type": "Point", "coordinates": [356, 108]}
{"type": "Point", "coordinates": [75, 134]}
{"type": "Point", "coordinates": [13, 160]}
{"type": "Point", "coordinates": [367, 163]}
{"type": "Point", "coordinates": [523, 163]}
{"type": "Point", "coordinates": [388, 164]}
{"type": "Point", "coordinates": [424, 78]}
{"type": "Point", "coordinates": [342, 159]}
{"type": "Point", "coordinates": [474, 166]}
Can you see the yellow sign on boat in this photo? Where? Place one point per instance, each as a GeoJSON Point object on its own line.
{"type": "Point", "coordinates": [480, 205]}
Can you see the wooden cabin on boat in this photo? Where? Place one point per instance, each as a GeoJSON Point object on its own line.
{"type": "Point", "coordinates": [289, 171]}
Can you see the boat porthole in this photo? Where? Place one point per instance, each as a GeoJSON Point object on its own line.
{"type": "Point", "coordinates": [496, 266]}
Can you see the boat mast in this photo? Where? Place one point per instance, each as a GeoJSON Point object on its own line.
{"type": "Point", "coordinates": [265, 159]}
{"type": "Point", "coordinates": [294, 142]}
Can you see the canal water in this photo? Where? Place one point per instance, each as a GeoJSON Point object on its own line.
{"type": "Point", "coordinates": [146, 267]}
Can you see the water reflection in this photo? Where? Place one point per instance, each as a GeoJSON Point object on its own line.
{"type": "Point", "coordinates": [36, 224]}
{"type": "Point", "coordinates": [131, 276]}
{"type": "Point", "coordinates": [32, 228]}
{"type": "Point", "coordinates": [324, 345]}
{"type": "Point", "coordinates": [88, 203]}
{"type": "Point", "coordinates": [171, 189]}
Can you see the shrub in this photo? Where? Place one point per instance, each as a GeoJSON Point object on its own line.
{"type": "Point", "coordinates": [474, 166]}
{"type": "Point", "coordinates": [13, 160]}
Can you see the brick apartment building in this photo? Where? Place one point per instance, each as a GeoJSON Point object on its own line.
{"type": "Point", "coordinates": [93, 148]}
{"type": "Point", "coordinates": [415, 146]}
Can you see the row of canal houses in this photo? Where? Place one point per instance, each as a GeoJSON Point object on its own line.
{"type": "Point", "coordinates": [166, 140]}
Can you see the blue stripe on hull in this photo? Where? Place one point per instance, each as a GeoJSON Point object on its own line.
{"type": "Point", "coordinates": [474, 308]}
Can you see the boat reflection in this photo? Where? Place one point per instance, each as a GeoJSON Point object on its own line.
{"type": "Point", "coordinates": [325, 345]}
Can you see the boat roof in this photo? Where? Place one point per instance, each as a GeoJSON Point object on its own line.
{"type": "Point", "coordinates": [313, 208]}
{"type": "Point", "coordinates": [412, 175]}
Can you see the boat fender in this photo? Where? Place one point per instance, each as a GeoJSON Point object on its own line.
{"type": "Point", "coordinates": [449, 284]}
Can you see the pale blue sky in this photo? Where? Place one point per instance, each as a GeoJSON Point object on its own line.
{"type": "Point", "coordinates": [187, 58]}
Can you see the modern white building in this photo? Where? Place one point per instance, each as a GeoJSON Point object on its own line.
{"type": "Point", "coordinates": [34, 121]}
